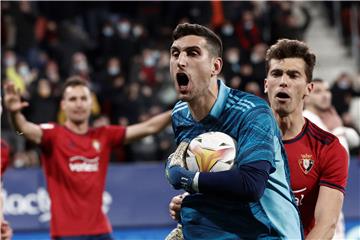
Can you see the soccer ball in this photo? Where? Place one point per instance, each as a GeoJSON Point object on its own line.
{"type": "Point", "coordinates": [211, 152]}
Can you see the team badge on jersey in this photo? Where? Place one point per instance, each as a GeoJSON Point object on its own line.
{"type": "Point", "coordinates": [96, 145]}
{"type": "Point", "coordinates": [306, 163]}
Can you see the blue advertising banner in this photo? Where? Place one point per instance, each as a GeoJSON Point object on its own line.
{"type": "Point", "coordinates": [137, 195]}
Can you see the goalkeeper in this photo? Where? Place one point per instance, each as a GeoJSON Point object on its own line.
{"type": "Point", "coordinates": [252, 200]}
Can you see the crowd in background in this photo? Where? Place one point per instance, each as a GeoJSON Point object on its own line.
{"type": "Point", "coordinates": [122, 50]}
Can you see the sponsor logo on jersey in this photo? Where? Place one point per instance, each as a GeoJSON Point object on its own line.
{"type": "Point", "coordinates": [84, 164]}
{"type": "Point", "coordinates": [299, 196]}
{"type": "Point", "coordinates": [306, 163]}
{"type": "Point", "coordinates": [96, 145]}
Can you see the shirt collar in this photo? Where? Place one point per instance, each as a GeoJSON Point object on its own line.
{"type": "Point", "coordinates": [220, 102]}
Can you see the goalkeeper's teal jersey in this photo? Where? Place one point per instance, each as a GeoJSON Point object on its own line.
{"type": "Point", "coordinates": [249, 120]}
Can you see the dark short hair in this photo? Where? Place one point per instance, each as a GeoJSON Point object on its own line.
{"type": "Point", "coordinates": [318, 80]}
{"type": "Point", "coordinates": [74, 81]}
{"type": "Point", "coordinates": [213, 40]}
{"type": "Point", "coordinates": [286, 48]}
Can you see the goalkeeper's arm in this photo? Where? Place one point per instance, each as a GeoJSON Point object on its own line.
{"type": "Point", "coordinates": [247, 182]}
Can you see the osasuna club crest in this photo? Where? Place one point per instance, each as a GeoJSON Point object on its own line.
{"type": "Point", "coordinates": [306, 163]}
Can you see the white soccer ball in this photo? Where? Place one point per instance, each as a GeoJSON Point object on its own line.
{"type": "Point", "coordinates": [211, 152]}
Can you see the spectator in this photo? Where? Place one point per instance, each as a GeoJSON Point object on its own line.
{"type": "Point", "coordinates": [247, 31]}
{"type": "Point", "coordinates": [343, 92]}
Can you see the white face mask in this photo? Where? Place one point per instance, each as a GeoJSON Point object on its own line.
{"type": "Point", "coordinates": [149, 61]}
{"type": "Point", "coordinates": [108, 32]}
{"type": "Point", "coordinates": [113, 71]}
{"type": "Point", "coordinates": [24, 71]}
{"type": "Point", "coordinates": [81, 66]}
{"type": "Point", "coordinates": [248, 25]}
{"type": "Point", "coordinates": [137, 31]}
{"type": "Point", "coordinates": [255, 58]}
{"type": "Point", "coordinates": [123, 27]}
{"type": "Point", "coordinates": [233, 58]}
{"type": "Point", "coordinates": [344, 84]}
{"type": "Point", "coordinates": [10, 62]}
{"type": "Point", "coordinates": [227, 30]}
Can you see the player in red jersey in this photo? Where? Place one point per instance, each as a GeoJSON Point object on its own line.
{"type": "Point", "coordinates": [5, 229]}
{"type": "Point", "coordinates": [75, 159]}
{"type": "Point", "coordinates": [5, 152]}
{"type": "Point", "coordinates": [317, 161]}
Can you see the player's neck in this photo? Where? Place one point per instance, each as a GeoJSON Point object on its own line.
{"type": "Point", "coordinates": [78, 128]}
{"type": "Point", "coordinates": [290, 125]}
{"type": "Point", "coordinates": [201, 106]}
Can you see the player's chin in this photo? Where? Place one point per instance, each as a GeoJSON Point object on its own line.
{"type": "Point", "coordinates": [79, 119]}
{"type": "Point", "coordinates": [184, 97]}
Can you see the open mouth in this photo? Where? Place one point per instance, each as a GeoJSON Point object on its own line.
{"type": "Point", "coordinates": [282, 95]}
{"type": "Point", "coordinates": [182, 79]}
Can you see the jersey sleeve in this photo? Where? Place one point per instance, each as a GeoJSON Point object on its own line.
{"type": "Point", "coordinates": [256, 137]}
{"type": "Point", "coordinates": [334, 166]}
{"type": "Point", "coordinates": [5, 155]}
{"type": "Point", "coordinates": [49, 131]}
{"type": "Point", "coordinates": [115, 134]}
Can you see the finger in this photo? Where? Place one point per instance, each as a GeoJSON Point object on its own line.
{"type": "Point", "coordinates": [171, 206]}
{"type": "Point", "coordinates": [184, 194]}
{"type": "Point", "coordinates": [176, 199]}
{"type": "Point", "coordinates": [173, 214]}
{"type": "Point", "coordinates": [24, 104]}
{"type": "Point", "coordinates": [176, 208]}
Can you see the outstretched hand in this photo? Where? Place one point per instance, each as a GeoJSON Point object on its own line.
{"type": "Point", "coordinates": [6, 231]}
{"type": "Point", "coordinates": [12, 99]}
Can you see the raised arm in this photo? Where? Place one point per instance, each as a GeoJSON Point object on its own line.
{"type": "Point", "coordinates": [152, 126]}
{"type": "Point", "coordinates": [14, 105]}
{"type": "Point", "coordinates": [327, 211]}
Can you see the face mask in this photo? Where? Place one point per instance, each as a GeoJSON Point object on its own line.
{"type": "Point", "coordinates": [137, 31]}
{"type": "Point", "coordinates": [123, 27]}
{"type": "Point", "coordinates": [255, 58]}
{"type": "Point", "coordinates": [227, 30]}
{"type": "Point", "coordinates": [149, 61]}
{"type": "Point", "coordinates": [53, 76]}
{"type": "Point", "coordinates": [113, 71]}
{"type": "Point", "coordinates": [81, 66]}
{"type": "Point", "coordinates": [108, 32]}
{"type": "Point", "coordinates": [233, 58]}
{"type": "Point", "coordinates": [248, 25]}
{"type": "Point", "coordinates": [24, 71]}
{"type": "Point", "coordinates": [343, 84]}
{"type": "Point", "coordinates": [9, 62]}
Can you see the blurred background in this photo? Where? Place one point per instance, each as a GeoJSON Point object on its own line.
{"type": "Point", "coordinates": [122, 50]}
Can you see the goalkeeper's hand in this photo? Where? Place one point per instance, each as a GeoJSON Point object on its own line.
{"type": "Point", "coordinates": [178, 157]}
{"type": "Point", "coordinates": [180, 178]}
{"type": "Point", "coordinates": [176, 174]}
